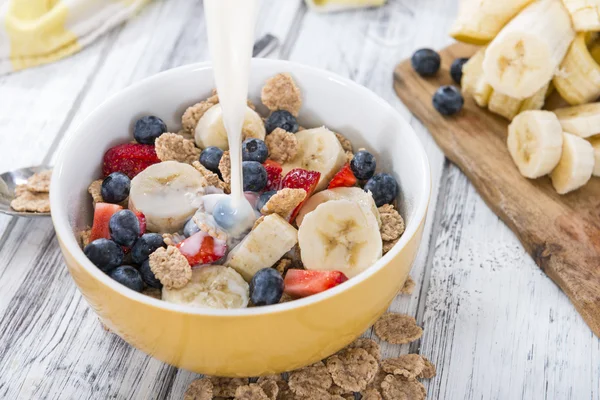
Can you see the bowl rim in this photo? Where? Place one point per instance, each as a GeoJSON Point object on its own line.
{"type": "Point", "coordinates": [64, 231]}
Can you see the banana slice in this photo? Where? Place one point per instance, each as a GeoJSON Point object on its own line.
{"type": "Point", "coordinates": [576, 164]}
{"type": "Point", "coordinates": [167, 194]}
{"type": "Point", "coordinates": [362, 198]}
{"type": "Point", "coordinates": [585, 14]}
{"type": "Point", "coordinates": [527, 52]}
{"type": "Point", "coordinates": [583, 120]}
{"type": "Point", "coordinates": [473, 82]}
{"type": "Point", "coordinates": [210, 130]}
{"type": "Point", "coordinates": [504, 105]}
{"type": "Point", "coordinates": [263, 246]}
{"type": "Point", "coordinates": [535, 142]}
{"type": "Point", "coordinates": [211, 286]}
{"type": "Point", "coordinates": [339, 235]}
{"type": "Point", "coordinates": [321, 151]}
{"type": "Point", "coordinates": [595, 142]}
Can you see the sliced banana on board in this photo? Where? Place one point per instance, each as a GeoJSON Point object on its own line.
{"type": "Point", "coordinates": [167, 194]}
{"type": "Point", "coordinates": [321, 151]}
{"type": "Point", "coordinates": [339, 236]}
{"type": "Point", "coordinates": [210, 130]}
{"type": "Point", "coordinates": [535, 142]}
{"type": "Point", "coordinates": [576, 164]}
{"type": "Point", "coordinates": [595, 142]}
{"type": "Point", "coordinates": [211, 286]}
{"type": "Point", "coordinates": [528, 50]}
{"type": "Point", "coordinates": [473, 82]}
{"type": "Point", "coordinates": [582, 120]}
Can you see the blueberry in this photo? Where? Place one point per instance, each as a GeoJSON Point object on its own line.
{"type": "Point", "coordinates": [262, 200]}
{"type": "Point", "coordinates": [448, 100]}
{"type": "Point", "coordinates": [190, 228]}
{"type": "Point", "coordinates": [124, 228]}
{"type": "Point", "coordinates": [224, 214]}
{"type": "Point", "coordinates": [255, 176]}
{"type": "Point", "coordinates": [104, 254]}
{"type": "Point", "coordinates": [145, 246]}
{"type": "Point", "coordinates": [456, 70]}
{"type": "Point", "coordinates": [363, 165]}
{"type": "Point", "coordinates": [254, 150]}
{"type": "Point", "coordinates": [426, 62]}
{"type": "Point", "coordinates": [266, 287]}
{"type": "Point", "coordinates": [383, 187]}
{"type": "Point", "coordinates": [147, 129]}
{"type": "Point", "coordinates": [128, 276]}
{"type": "Point", "coordinates": [281, 119]}
{"type": "Point", "coordinates": [148, 276]}
{"type": "Point", "coordinates": [210, 158]}
{"type": "Point", "coordinates": [115, 187]}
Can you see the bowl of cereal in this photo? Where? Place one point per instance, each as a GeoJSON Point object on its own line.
{"type": "Point", "coordinates": [338, 185]}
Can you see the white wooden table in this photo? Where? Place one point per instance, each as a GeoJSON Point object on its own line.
{"type": "Point", "coordinates": [495, 325]}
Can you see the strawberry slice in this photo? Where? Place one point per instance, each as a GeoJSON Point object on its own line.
{"type": "Point", "coordinates": [302, 283]}
{"type": "Point", "coordinates": [142, 218]}
{"type": "Point", "coordinates": [201, 248]}
{"type": "Point", "coordinates": [344, 178]}
{"type": "Point", "coordinates": [299, 178]}
{"type": "Point", "coordinates": [102, 214]}
{"type": "Point", "coordinates": [273, 175]}
{"type": "Point", "coordinates": [129, 158]}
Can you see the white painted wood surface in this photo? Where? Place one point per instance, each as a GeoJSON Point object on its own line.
{"type": "Point", "coordinates": [496, 327]}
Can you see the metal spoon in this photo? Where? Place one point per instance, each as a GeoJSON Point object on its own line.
{"type": "Point", "coordinates": [8, 183]}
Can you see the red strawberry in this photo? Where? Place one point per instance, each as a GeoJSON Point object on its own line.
{"type": "Point", "coordinates": [273, 175]}
{"type": "Point", "coordinates": [344, 178]}
{"type": "Point", "coordinates": [129, 158]}
{"type": "Point", "coordinates": [102, 214]}
{"type": "Point", "coordinates": [142, 218]}
{"type": "Point", "coordinates": [302, 283]}
{"type": "Point", "coordinates": [201, 248]}
{"type": "Point", "coordinates": [299, 178]}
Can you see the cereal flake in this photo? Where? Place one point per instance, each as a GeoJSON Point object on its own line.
{"type": "Point", "coordinates": [200, 389]}
{"type": "Point", "coordinates": [170, 267]}
{"type": "Point", "coordinates": [226, 387]}
{"type": "Point", "coordinates": [283, 265]}
{"type": "Point", "coordinates": [284, 202]}
{"type": "Point", "coordinates": [27, 201]}
{"type": "Point", "coordinates": [40, 182]}
{"type": "Point", "coordinates": [95, 190]}
{"type": "Point", "coordinates": [346, 144]}
{"type": "Point", "coordinates": [338, 390]}
{"type": "Point", "coordinates": [84, 236]}
{"type": "Point", "coordinates": [349, 156]}
{"type": "Point", "coordinates": [388, 244]}
{"type": "Point", "coordinates": [409, 286]}
{"type": "Point", "coordinates": [270, 387]}
{"type": "Point", "coordinates": [371, 394]}
{"type": "Point", "coordinates": [352, 369]}
{"type": "Point", "coordinates": [192, 115]}
{"type": "Point", "coordinates": [398, 328]}
{"type": "Point", "coordinates": [282, 145]}
{"type": "Point", "coordinates": [369, 345]}
{"type": "Point", "coordinates": [392, 224]}
{"type": "Point", "coordinates": [225, 167]}
{"type": "Point", "coordinates": [172, 239]}
{"type": "Point", "coordinates": [281, 93]}
{"type": "Point", "coordinates": [376, 382]}
{"type": "Point", "coordinates": [429, 370]}
{"type": "Point", "coordinates": [211, 178]}
{"type": "Point", "coordinates": [173, 147]}
{"type": "Point", "coordinates": [396, 388]}
{"type": "Point", "coordinates": [310, 381]}
{"type": "Point", "coordinates": [153, 292]}
{"type": "Point", "coordinates": [408, 365]}
{"type": "Point", "coordinates": [207, 224]}
{"type": "Point", "coordinates": [250, 392]}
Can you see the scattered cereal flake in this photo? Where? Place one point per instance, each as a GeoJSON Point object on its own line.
{"type": "Point", "coordinates": [388, 244]}
{"type": "Point", "coordinates": [429, 370]}
{"type": "Point", "coordinates": [311, 380]}
{"type": "Point", "coordinates": [369, 345]}
{"type": "Point", "coordinates": [225, 167]}
{"type": "Point", "coordinates": [20, 189]}
{"type": "Point", "coordinates": [407, 365]}
{"type": "Point", "coordinates": [172, 239]}
{"type": "Point", "coordinates": [282, 145]}
{"type": "Point", "coordinates": [170, 267]}
{"type": "Point", "coordinates": [28, 201]}
{"type": "Point", "coordinates": [283, 265]}
{"type": "Point", "coordinates": [346, 144]}
{"type": "Point", "coordinates": [337, 390]}
{"type": "Point", "coordinates": [270, 387]}
{"type": "Point", "coordinates": [281, 93]}
{"type": "Point", "coordinates": [171, 146]}
{"type": "Point", "coordinates": [398, 328]}
{"type": "Point", "coordinates": [212, 179]}
{"type": "Point", "coordinates": [226, 387]}
{"type": "Point", "coordinates": [153, 292]}
{"type": "Point", "coordinates": [40, 182]}
{"type": "Point", "coordinates": [376, 382]}
{"type": "Point", "coordinates": [409, 286]}
{"type": "Point", "coordinates": [192, 115]}
{"type": "Point", "coordinates": [258, 221]}
{"type": "Point", "coordinates": [349, 156]}
{"type": "Point", "coordinates": [392, 224]}
{"type": "Point", "coordinates": [84, 235]}
{"type": "Point", "coordinates": [95, 189]}
{"type": "Point", "coordinates": [352, 369]}
{"type": "Point", "coordinates": [371, 394]}
{"type": "Point", "coordinates": [396, 388]}
{"type": "Point", "coordinates": [284, 202]}
{"type": "Point", "coordinates": [250, 392]}
{"type": "Point", "coordinates": [200, 389]}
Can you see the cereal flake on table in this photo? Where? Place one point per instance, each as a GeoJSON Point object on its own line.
{"type": "Point", "coordinates": [369, 345]}
{"type": "Point", "coordinates": [251, 391]}
{"type": "Point", "coordinates": [310, 381]}
{"type": "Point", "coordinates": [429, 371]}
{"type": "Point", "coordinates": [284, 202]}
{"type": "Point", "coordinates": [409, 366]}
{"type": "Point", "coordinates": [281, 93]}
{"type": "Point", "coordinates": [173, 147]}
{"type": "Point", "coordinates": [282, 145]}
{"type": "Point", "coordinates": [95, 190]}
{"type": "Point", "coordinates": [192, 114]}
{"type": "Point", "coordinates": [398, 328]}
{"type": "Point", "coordinates": [270, 387]}
{"type": "Point", "coordinates": [225, 167]}
{"type": "Point", "coordinates": [352, 369]}
{"type": "Point", "coordinates": [40, 182]}
{"type": "Point", "coordinates": [226, 387]}
{"type": "Point", "coordinates": [200, 389]}
{"type": "Point", "coordinates": [392, 223]}
{"type": "Point", "coordinates": [338, 390]}
{"type": "Point", "coordinates": [170, 267]}
{"type": "Point", "coordinates": [375, 384]}
{"type": "Point", "coordinates": [371, 394]}
{"type": "Point", "coordinates": [409, 286]}
{"type": "Point", "coordinates": [346, 144]}
{"type": "Point", "coordinates": [395, 387]}
{"type": "Point", "coordinates": [27, 201]}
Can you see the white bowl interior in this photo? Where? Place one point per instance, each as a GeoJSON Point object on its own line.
{"type": "Point", "coordinates": [329, 100]}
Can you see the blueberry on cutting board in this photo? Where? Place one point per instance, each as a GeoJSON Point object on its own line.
{"type": "Point", "coordinates": [448, 100]}
{"type": "Point", "coordinates": [426, 62]}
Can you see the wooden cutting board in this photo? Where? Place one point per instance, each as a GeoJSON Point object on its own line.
{"type": "Point", "coordinates": [561, 233]}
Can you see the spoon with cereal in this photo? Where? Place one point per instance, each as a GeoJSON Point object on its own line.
{"type": "Point", "coordinates": [25, 192]}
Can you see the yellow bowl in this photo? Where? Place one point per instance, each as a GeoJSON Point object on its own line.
{"type": "Point", "coordinates": [255, 341]}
